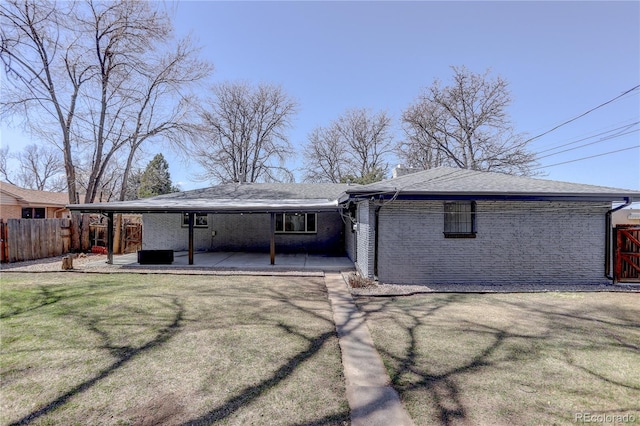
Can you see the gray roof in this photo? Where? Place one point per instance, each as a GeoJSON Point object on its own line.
{"type": "Point", "coordinates": [438, 183]}
{"type": "Point", "coordinates": [447, 181]}
{"type": "Point", "coordinates": [263, 191]}
{"type": "Point", "coordinates": [233, 197]}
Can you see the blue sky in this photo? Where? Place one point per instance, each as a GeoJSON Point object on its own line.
{"type": "Point", "coordinates": [561, 59]}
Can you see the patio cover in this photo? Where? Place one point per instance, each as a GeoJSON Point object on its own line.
{"type": "Point", "coordinates": [227, 198]}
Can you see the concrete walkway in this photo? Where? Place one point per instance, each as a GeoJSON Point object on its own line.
{"type": "Point", "coordinates": [371, 398]}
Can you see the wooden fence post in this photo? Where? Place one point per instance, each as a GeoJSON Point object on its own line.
{"type": "Point", "coordinates": [4, 252]}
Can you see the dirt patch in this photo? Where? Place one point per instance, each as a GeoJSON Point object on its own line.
{"type": "Point", "coordinates": [164, 409]}
{"type": "Point", "coordinates": [52, 264]}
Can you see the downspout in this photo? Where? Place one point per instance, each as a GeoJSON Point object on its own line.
{"type": "Point", "coordinates": [608, 242]}
{"type": "Point", "coordinates": [55, 213]}
{"type": "Point", "coordinates": [375, 241]}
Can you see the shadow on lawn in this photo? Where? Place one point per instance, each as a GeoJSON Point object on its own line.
{"type": "Point", "coordinates": [408, 372]}
{"type": "Point", "coordinates": [49, 294]}
{"type": "Point", "coordinates": [250, 393]}
{"type": "Point", "coordinates": [45, 296]}
{"type": "Point", "coordinates": [124, 354]}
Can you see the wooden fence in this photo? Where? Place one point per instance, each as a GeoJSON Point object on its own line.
{"type": "Point", "coordinates": [130, 237]}
{"type": "Point", "coordinates": [29, 239]}
{"type": "Point", "coordinates": [627, 256]}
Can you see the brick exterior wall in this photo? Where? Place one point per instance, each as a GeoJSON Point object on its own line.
{"type": "Point", "coordinates": [15, 212]}
{"type": "Point", "coordinates": [10, 212]}
{"type": "Point", "coordinates": [165, 232]}
{"type": "Point", "coordinates": [516, 242]}
{"type": "Point", "coordinates": [246, 232]}
{"type": "Point", "coordinates": [350, 241]}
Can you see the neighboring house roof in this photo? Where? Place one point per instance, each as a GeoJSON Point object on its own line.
{"type": "Point", "coordinates": [233, 197]}
{"type": "Point", "coordinates": [448, 182]}
{"type": "Point", "coordinates": [31, 197]}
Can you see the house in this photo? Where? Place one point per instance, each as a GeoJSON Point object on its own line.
{"type": "Point", "coordinates": [237, 217]}
{"type": "Point", "coordinates": [21, 203]}
{"type": "Point", "coordinates": [252, 217]}
{"type": "Point", "coordinates": [443, 225]}
{"type": "Point", "coordinates": [448, 225]}
{"type": "Point", "coordinates": [627, 216]}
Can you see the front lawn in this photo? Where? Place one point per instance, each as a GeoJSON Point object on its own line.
{"type": "Point", "coordinates": [512, 359]}
{"type": "Point", "coordinates": [168, 349]}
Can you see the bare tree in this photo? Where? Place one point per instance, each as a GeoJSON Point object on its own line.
{"type": "Point", "coordinates": [36, 49]}
{"type": "Point", "coordinates": [100, 71]}
{"type": "Point", "coordinates": [163, 104]}
{"type": "Point", "coordinates": [244, 133]}
{"type": "Point", "coordinates": [5, 173]}
{"type": "Point", "coordinates": [325, 155]}
{"type": "Point", "coordinates": [464, 125]}
{"type": "Point", "coordinates": [353, 147]}
{"type": "Point", "coordinates": [39, 167]}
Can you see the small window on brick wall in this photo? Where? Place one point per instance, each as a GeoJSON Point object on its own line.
{"type": "Point", "coordinates": [460, 219]}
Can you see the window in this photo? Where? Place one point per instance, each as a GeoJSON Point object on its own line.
{"type": "Point", "coordinates": [33, 213]}
{"type": "Point", "coordinates": [460, 219]}
{"type": "Point", "coordinates": [200, 220]}
{"type": "Point", "coordinates": [296, 223]}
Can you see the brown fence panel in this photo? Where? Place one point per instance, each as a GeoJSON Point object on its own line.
{"type": "Point", "coordinates": [132, 237]}
{"type": "Point", "coordinates": [29, 239]}
{"type": "Point", "coordinates": [4, 248]}
{"type": "Point", "coordinates": [627, 256]}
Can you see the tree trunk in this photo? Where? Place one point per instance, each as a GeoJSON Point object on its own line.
{"type": "Point", "coordinates": [76, 221]}
{"type": "Point", "coordinates": [85, 239]}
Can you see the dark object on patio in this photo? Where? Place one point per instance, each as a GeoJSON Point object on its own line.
{"type": "Point", "coordinates": [155, 257]}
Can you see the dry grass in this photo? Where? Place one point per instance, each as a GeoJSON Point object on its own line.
{"type": "Point", "coordinates": [505, 359]}
{"type": "Point", "coordinates": [358, 281]}
{"type": "Point", "coordinates": [152, 349]}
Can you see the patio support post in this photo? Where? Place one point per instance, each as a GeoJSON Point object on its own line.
{"type": "Point", "coordinates": [191, 217]}
{"type": "Point", "coordinates": [272, 246]}
{"type": "Point", "coordinates": [110, 238]}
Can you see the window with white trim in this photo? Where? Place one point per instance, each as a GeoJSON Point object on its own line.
{"type": "Point", "coordinates": [200, 220]}
{"type": "Point", "coordinates": [296, 223]}
{"type": "Point", "coordinates": [460, 219]}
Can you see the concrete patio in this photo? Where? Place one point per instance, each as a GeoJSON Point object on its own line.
{"type": "Point", "coordinates": [240, 261]}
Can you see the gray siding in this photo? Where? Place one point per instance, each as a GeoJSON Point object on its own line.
{"type": "Point", "coordinates": [517, 242]}
{"type": "Point", "coordinates": [246, 232]}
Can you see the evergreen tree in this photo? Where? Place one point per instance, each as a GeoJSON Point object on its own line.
{"type": "Point", "coordinates": [156, 179]}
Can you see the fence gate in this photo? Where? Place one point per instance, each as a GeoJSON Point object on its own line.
{"type": "Point", "coordinates": [627, 255]}
{"type": "Point", "coordinates": [132, 237]}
